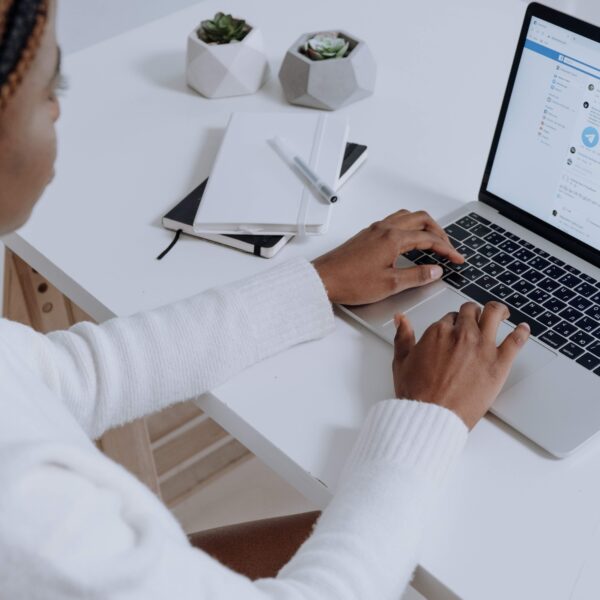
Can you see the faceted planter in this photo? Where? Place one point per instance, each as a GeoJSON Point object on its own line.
{"type": "Point", "coordinates": [328, 84]}
{"type": "Point", "coordinates": [221, 70]}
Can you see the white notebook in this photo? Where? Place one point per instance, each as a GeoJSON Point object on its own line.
{"type": "Point", "coordinates": [252, 190]}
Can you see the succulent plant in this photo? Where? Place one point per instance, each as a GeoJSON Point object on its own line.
{"type": "Point", "coordinates": [324, 46]}
{"type": "Point", "coordinates": [223, 29]}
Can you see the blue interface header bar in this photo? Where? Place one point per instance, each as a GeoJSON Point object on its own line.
{"type": "Point", "coordinates": [568, 61]}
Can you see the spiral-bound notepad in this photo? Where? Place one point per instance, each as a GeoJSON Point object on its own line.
{"type": "Point", "coordinates": [251, 190]}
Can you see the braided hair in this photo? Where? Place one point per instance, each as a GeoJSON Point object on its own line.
{"type": "Point", "coordinates": [22, 24]}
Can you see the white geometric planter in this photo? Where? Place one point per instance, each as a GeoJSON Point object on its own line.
{"type": "Point", "coordinates": [328, 84]}
{"type": "Point", "coordinates": [221, 70]}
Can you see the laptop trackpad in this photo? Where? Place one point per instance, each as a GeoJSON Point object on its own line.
{"type": "Point", "coordinates": [530, 359]}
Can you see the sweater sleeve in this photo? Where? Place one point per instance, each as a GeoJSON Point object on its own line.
{"type": "Point", "coordinates": [128, 367]}
{"type": "Point", "coordinates": [54, 523]}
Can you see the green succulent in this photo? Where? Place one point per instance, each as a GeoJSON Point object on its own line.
{"type": "Point", "coordinates": [324, 46]}
{"type": "Point", "coordinates": [223, 29]}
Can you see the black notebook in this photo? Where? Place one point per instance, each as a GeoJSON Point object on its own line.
{"type": "Point", "coordinates": [181, 217]}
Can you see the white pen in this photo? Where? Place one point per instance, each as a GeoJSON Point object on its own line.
{"type": "Point", "coordinates": [322, 189]}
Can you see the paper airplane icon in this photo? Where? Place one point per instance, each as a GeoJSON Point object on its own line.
{"type": "Point", "coordinates": [591, 138]}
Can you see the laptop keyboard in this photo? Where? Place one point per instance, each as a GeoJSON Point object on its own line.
{"type": "Point", "coordinates": [560, 303]}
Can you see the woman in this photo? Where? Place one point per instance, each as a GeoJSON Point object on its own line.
{"type": "Point", "coordinates": [75, 525]}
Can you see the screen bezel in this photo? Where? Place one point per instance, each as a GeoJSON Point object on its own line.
{"type": "Point", "coordinates": [520, 216]}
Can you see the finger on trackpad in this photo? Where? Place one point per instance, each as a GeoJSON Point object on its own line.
{"type": "Point", "coordinates": [531, 358]}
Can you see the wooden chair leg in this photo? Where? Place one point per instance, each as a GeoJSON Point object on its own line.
{"type": "Point", "coordinates": [129, 445]}
{"type": "Point", "coordinates": [31, 300]}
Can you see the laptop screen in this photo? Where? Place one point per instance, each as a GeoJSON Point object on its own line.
{"type": "Point", "coordinates": [547, 161]}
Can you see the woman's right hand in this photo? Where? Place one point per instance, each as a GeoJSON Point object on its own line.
{"type": "Point", "coordinates": [456, 363]}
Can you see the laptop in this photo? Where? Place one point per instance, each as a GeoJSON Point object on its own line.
{"type": "Point", "coordinates": [532, 240]}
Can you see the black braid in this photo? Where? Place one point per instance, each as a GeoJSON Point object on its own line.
{"type": "Point", "coordinates": [20, 22]}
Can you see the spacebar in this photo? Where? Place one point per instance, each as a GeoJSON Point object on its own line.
{"type": "Point", "coordinates": [516, 316]}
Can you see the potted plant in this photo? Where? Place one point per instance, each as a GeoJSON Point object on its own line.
{"type": "Point", "coordinates": [226, 57]}
{"type": "Point", "coordinates": [327, 70]}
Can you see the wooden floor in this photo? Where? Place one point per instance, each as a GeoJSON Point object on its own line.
{"type": "Point", "coordinates": [174, 452]}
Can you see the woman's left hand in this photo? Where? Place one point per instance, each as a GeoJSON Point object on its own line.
{"type": "Point", "coordinates": [362, 270]}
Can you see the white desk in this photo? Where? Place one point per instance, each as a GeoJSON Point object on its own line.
{"type": "Point", "coordinates": [514, 523]}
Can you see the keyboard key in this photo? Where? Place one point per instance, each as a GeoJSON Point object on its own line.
{"type": "Point", "coordinates": [595, 349]}
{"type": "Point", "coordinates": [457, 268]}
{"type": "Point", "coordinates": [471, 273]}
{"type": "Point", "coordinates": [588, 325]}
{"type": "Point", "coordinates": [554, 272]}
{"type": "Point", "coordinates": [512, 236]}
{"type": "Point", "coordinates": [571, 350]}
{"type": "Point", "coordinates": [493, 269]}
{"type": "Point", "coordinates": [455, 280]}
{"type": "Point", "coordinates": [564, 328]}
{"type": "Point", "coordinates": [548, 318]}
{"type": "Point", "coordinates": [503, 259]}
{"type": "Point", "coordinates": [595, 298]}
{"type": "Point", "coordinates": [569, 280]}
{"type": "Point", "coordinates": [588, 279]}
{"type": "Point", "coordinates": [538, 295]}
{"type": "Point", "coordinates": [548, 285]}
{"type": "Point", "coordinates": [466, 222]}
{"type": "Point", "coordinates": [487, 282]}
{"type": "Point", "coordinates": [479, 218]}
{"type": "Point", "coordinates": [597, 371]}
{"type": "Point", "coordinates": [480, 230]}
{"type": "Point", "coordinates": [522, 286]}
{"type": "Point", "coordinates": [426, 259]}
{"type": "Point", "coordinates": [466, 251]}
{"type": "Point", "coordinates": [413, 255]}
{"type": "Point", "coordinates": [516, 316]}
{"type": "Point", "coordinates": [564, 294]}
{"type": "Point", "coordinates": [571, 315]}
{"type": "Point", "coordinates": [557, 261]}
{"type": "Point", "coordinates": [585, 289]}
{"type": "Point", "coordinates": [518, 267]}
{"type": "Point", "coordinates": [581, 339]}
{"type": "Point", "coordinates": [474, 242]}
{"type": "Point", "coordinates": [502, 291]}
{"type": "Point", "coordinates": [553, 339]}
{"type": "Point", "coordinates": [509, 246]}
{"type": "Point", "coordinates": [496, 227]}
{"type": "Point", "coordinates": [538, 263]}
{"type": "Point", "coordinates": [479, 261]}
{"type": "Point", "coordinates": [554, 305]}
{"type": "Point", "coordinates": [542, 253]}
{"type": "Point", "coordinates": [488, 251]}
{"type": "Point", "coordinates": [523, 254]}
{"type": "Point", "coordinates": [532, 276]}
{"type": "Point", "coordinates": [517, 300]}
{"type": "Point", "coordinates": [594, 312]}
{"type": "Point", "coordinates": [527, 245]}
{"type": "Point", "coordinates": [495, 238]}
{"type": "Point", "coordinates": [533, 310]}
{"type": "Point", "coordinates": [579, 302]}
{"type": "Point", "coordinates": [508, 278]}
{"type": "Point", "coordinates": [589, 361]}
{"type": "Point", "coordinates": [458, 233]}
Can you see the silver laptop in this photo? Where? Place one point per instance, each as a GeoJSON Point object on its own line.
{"type": "Point", "coordinates": [532, 240]}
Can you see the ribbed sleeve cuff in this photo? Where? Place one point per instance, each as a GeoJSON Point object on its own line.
{"type": "Point", "coordinates": [285, 306]}
{"type": "Point", "coordinates": [421, 437]}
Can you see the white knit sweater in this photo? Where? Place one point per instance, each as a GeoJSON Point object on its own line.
{"type": "Point", "coordinates": [73, 524]}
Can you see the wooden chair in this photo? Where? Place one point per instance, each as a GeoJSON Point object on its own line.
{"type": "Point", "coordinates": [173, 452]}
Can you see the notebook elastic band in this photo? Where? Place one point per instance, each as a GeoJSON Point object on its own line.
{"type": "Point", "coordinates": [170, 246]}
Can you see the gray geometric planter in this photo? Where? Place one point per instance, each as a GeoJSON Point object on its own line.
{"type": "Point", "coordinates": [221, 70]}
{"type": "Point", "coordinates": [328, 84]}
